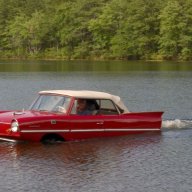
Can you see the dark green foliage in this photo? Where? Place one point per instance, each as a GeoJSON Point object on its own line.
{"type": "Point", "coordinates": [96, 29]}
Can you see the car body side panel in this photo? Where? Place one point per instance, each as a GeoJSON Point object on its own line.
{"type": "Point", "coordinates": [83, 127]}
{"type": "Point", "coordinates": [35, 131]}
{"type": "Point", "coordinates": [132, 123]}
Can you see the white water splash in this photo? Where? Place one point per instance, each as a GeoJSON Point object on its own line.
{"type": "Point", "coordinates": [177, 123]}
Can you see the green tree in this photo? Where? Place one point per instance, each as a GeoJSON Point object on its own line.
{"type": "Point", "coordinates": [138, 35]}
{"type": "Point", "coordinates": [105, 25]}
{"type": "Point", "coordinates": [37, 28]}
{"type": "Point", "coordinates": [122, 29]}
{"type": "Point", "coordinates": [16, 33]}
{"type": "Point", "coordinates": [26, 33]}
{"type": "Point", "coordinates": [185, 40]}
{"type": "Point", "coordinates": [172, 24]}
{"type": "Point", "coordinates": [72, 18]}
{"type": "Point", "coordinates": [7, 13]}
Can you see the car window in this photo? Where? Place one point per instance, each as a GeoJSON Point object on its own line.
{"type": "Point", "coordinates": [95, 107]}
{"type": "Point", "coordinates": [83, 106]}
{"type": "Point", "coordinates": [107, 107]}
{"type": "Point", "coordinates": [53, 103]}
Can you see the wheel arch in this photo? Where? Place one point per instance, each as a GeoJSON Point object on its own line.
{"type": "Point", "coordinates": [52, 137]}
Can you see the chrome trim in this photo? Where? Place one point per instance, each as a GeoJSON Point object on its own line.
{"type": "Point", "coordinates": [18, 113]}
{"type": "Point", "coordinates": [111, 130]}
{"type": "Point", "coordinates": [45, 131]}
{"type": "Point", "coordinates": [88, 130]}
{"type": "Point", "coordinates": [9, 140]}
{"type": "Point", "coordinates": [5, 123]}
{"type": "Point", "coordinates": [143, 129]}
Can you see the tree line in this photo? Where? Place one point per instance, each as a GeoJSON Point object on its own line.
{"type": "Point", "coordinates": [96, 29]}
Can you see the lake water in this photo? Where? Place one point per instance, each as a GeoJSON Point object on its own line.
{"type": "Point", "coordinates": [144, 163]}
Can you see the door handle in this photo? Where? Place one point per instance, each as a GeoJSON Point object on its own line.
{"type": "Point", "coordinates": [99, 123]}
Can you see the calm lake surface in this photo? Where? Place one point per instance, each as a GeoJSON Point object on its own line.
{"type": "Point", "coordinates": [144, 163]}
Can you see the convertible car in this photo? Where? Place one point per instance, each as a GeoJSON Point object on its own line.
{"type": "Point", "coordinates": [64, 115]}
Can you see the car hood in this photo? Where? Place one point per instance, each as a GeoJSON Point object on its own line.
{"type": "Point", "coordinates": [23, 116]}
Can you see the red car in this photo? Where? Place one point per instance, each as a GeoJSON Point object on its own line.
{"type": "Point", "coordinates": [64, 115]}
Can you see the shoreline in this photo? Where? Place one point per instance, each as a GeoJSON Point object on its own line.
{"type": "Point", "coordinates": [91, 59]}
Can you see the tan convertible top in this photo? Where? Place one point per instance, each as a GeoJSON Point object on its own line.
{"type": "Point", "coordinates": [88, 95]}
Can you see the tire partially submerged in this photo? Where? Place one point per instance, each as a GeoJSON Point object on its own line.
{"type": "Point", "coordinates": [52, 138]}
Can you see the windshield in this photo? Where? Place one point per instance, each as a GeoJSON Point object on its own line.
{"type": "Point", "coordinates": [52, 103]}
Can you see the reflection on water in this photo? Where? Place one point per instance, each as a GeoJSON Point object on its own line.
{"type": "Point", "coordinates": [74, 165]}
{"type": "Point", "coordinates": [146, 163]}
{"type": "Point", "coordinates": [94, 66]}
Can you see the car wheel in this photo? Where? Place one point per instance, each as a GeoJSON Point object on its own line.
{"type": "Point", "coordinates": [52, 138]}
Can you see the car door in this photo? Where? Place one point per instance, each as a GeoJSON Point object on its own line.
{"type": "Point", "coordinates": [114, 123]}
{"type": "Point", "coordinates": [84, 125]}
